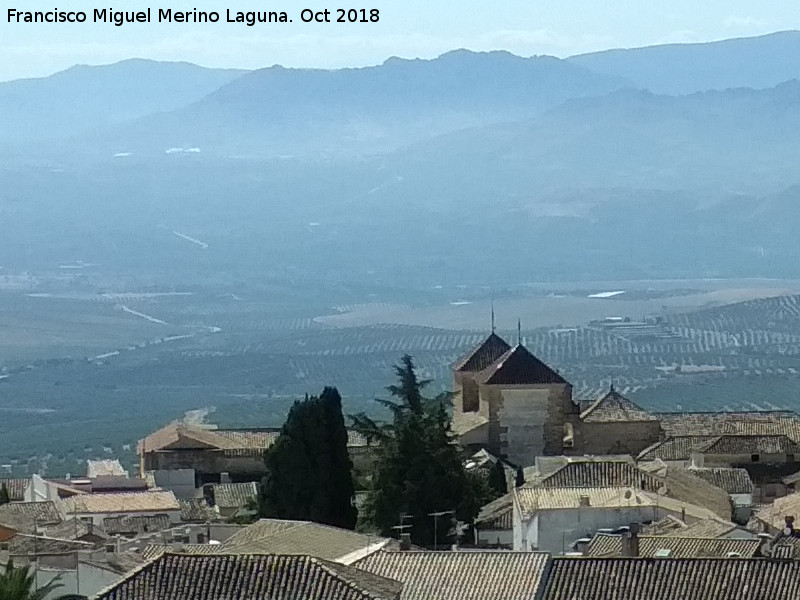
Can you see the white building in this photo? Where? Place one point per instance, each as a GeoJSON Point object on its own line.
{"type": "Point", "coordinates": [551, 519]}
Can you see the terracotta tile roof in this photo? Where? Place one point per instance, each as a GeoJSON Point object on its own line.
{"type": "Point", "coordinates": [615, 408]}
{"type": "Point", "coordinates": [534, 498]}
{"type": "Point", "coordinates": [672, 579]}
{"type": "Point", "coordinates": [531, 499]}
{"type": "Point", "coordinates": [234, 495]}
{"type": "Point", "coordinates": [786, 548]}
{"type": "Point", "coordinates": [773, 514]}
{"type": "Point", "coordinates": [750, 444]}
{"type": "Point", "coordinates": [96, 468]}
{"type": "Point", "coordinates": [469, 421]}
{"type": "Point", "coordinates": [733, 481]}
{"type": "Point", "coordinates": [21, 516]}
{"type": "Point", "coordinates": [122, 503]}
{"type": "Point", "coordinates": [248, 577]}
{"type": "Point", "coordinates": [179, 435]}
{"type": "Point", "coordinates": [791, 479]}
{"type": "Point", "coordinates": [518, 366]}
{"type": "Point", "coordinates": [704, 528]}
{"type": "Point", "coordinates": [674, 448]}
{"type": "Point", "coordinates": [16, 488]}
{"type": "Point", "coordinates": [243, 441]}
{"type": "Point", "coordinates": [135, 525]}
{"type": "Point", "coordinates": [498, 514]}
{"type": "Point", "coordinates": [462, 575]}
{"type": "Point", "coordinates": [277, 536]}
{"type": "Point", "coordinates": [156, 550]}
{"type": "Point", "coordinates": [25, 544]}
{"type": "Point", "coordinates": [197, 510]}
{"type": "Point", "coordinates": [604, 544]}
{"type": "Point", "coordinates": [598, 474]}
{"type": "Point", "coordinates": [745, 423]}
{"type": "Point", "coordinates": [492, 348]}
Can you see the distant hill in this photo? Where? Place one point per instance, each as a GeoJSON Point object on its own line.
{"type": "Point", "coordinates": [373, 109]}
{"type": "Point", "coordinates": [89, 97]}
{"type": "Point", "coordinates": [735, 141]}
{"type": "Point", "coordinates": [756, 62]}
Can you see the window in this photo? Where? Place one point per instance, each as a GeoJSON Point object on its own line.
{"type": "Point", "coordinates": [754, 457]}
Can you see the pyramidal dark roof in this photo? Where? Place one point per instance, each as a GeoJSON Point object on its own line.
{"type": "Point", "coordinates": [492, 348]}
{"type": "Point", "coordinates": [517, 366]}
{"type": "Point", "coordinates": [616, 408]}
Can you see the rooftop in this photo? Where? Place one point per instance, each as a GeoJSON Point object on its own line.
{"type": "Point", "coordinates": [249, 577]}
{"type": "Point", "coordinates": [16, 487]}
{"type": "Point", "coordinates": [462, 575]}
{"type": "Point", "coordinates": [749, 444]}
{"type": "Point", "coordinates": [615, 408]}
{"type": "Point", "coordinates": [278, 536]}
{"type": "Point", "coordinates": [492, 348]}
{"type": "Point", "coordinates": [136, 525]}
{"type": "Point", "coordinates": [234, 495]}
{"type": "Point", "coordinates": [599, 473]}
{"type": "Point", "coordinates": [774, 514]}
{"type": "Point", "coordinates": [517, 366]}
{"type": "Point", "coordinates": [604, 544]}
{"type": "Point", "coordinates": [181, 436]}
{"type": "Point", "coordinates": [671, 579]}
{"type": "Point", "coordinates": [531, 499]}
{"type": "Point", "coordinates": [21, 516]}
{"type": "Point", "coordinates": [122, 503]}
{"type": "Point", "coordinates": [732, 480]}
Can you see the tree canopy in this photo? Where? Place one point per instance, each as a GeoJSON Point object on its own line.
{"type": "Point", "coordinates": [419, 470]}
{"type": "Point", "coordinates": [309, 471]}
{"type": "Point", "coordinates": [19, 583]}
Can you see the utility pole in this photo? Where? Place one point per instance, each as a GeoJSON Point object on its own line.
{"type": "Point", "coordinates": [436, 516]}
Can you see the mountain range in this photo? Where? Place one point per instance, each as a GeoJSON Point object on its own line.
{"type": "Point", "coordinates": [638, 163]}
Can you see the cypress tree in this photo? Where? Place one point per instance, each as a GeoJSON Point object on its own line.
{"type": "Point", "coordinates": [308, 467]}
{"type": "Point", "coordinates": [497, 479]}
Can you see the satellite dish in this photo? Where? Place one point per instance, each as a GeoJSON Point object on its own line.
{"type": "Point", "coordinates": [787, 531]}
{"type": "Point", "coordinates": [628, 494]}
{"type": "Point", "coordinates": [662, 491]}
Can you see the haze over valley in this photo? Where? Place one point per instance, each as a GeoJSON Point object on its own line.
{"type": "Point", "coordinates": [176, 238]}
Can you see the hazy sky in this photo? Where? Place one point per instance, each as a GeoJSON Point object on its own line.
{"type": "Point", "coordinates": [408, 28]}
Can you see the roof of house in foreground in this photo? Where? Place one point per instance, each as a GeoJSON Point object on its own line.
{"type": "Point", "coordinates": [672, 579]}
{"type": "Point", "coordinates": [461, 575]}
{"type": "Point", "coordinates": [249, 577]}
{"type": "Point", "coordinates": [122, 502]}
{"type": "Point", "coordinates": [304, 537]}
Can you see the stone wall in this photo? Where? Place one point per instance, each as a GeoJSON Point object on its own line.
{"type": "Point", "coordinates": [615, 438]}
{"type": "Point", "coordinates": [526, 421]}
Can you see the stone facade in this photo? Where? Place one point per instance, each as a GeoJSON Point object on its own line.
{"type": "Point", "coordinates": [510, 403]}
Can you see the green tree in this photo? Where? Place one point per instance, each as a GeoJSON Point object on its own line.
{"type": "Point", "coordinates": [309, 471]}
{"type": "Point", "coordinates": [19, 583]}
{"type": "Point", "coordinates": [4, 496]}
{"type": "Point", "coordinates": [497, 479]}
{"type": "Point", "coordinates": [419, 469]}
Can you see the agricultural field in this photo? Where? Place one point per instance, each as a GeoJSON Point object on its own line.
{"type": "Point", "coordinates": [85, 373]}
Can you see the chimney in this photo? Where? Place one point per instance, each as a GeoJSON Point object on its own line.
{"type": "Point", "coordinates": [630, 541]}
{"type": "Point", "coordinates": [789, 529]}
{"type": "Point", "coordinates": [584, 501]}
{"type": "Point", "coordinates": [405, 541]}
